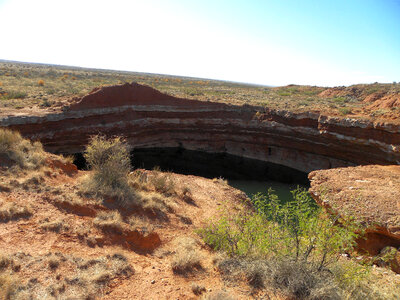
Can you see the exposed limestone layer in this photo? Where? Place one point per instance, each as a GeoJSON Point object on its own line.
{"type": "Point", "coordinates": [148, 118]}
{"type": "Point", "coordinates": [371, 194]}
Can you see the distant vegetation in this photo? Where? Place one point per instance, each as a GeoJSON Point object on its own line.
{"type": "Point", "coordinates": [33, 85]}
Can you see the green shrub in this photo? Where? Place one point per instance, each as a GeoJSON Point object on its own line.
{"type": "Point", "coordinates": [300, 242]}
{"type": "Point", "coordinates": [344, 110]}
{"type": "Point", "coordinates": [297, 230]}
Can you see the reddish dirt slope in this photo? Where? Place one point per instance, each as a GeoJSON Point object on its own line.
{"type": "Point", "coordinates": [377, 100]}
{"type": "Point", "coordinates": [60, 224]}
{"type": "Point", "coordinates": [130, 94]}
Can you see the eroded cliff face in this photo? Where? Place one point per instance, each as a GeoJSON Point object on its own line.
{"type": "Point", "coordinates": [149, 119]}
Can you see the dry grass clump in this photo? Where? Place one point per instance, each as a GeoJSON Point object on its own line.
{"type": "Point", "coordinates": [186, 195]}
{"type": "Point", "coordinates": [54, 263]}
{"type": "Point", "coordinates": [110, 165]}
{"type": "Point", "coordinates": [66, 277]}
{"type": "Point", "coordinates": [187, 258]}
{"type": "Point", "coordinates": [34, 181]}
{"type": "Point", "coordinates": [156, 180]}
{"type": "Point", "coordinates": [109, 221]}
{"type": "Point", "coordinates": [359, 283]}
{"type": "Point", "coordinates": [15, 150]}
{"type": "Point", "coordinates": [220, 180]}
{"type": "Point", "coordinates": [101, 271]}
{"type": "Point", "coordinates": [298, 281]}
{"type": "Point", "coordinates": [54, 226]}
{"type": "Point", "coordinates": [8, 287]}
{"type": "Point", "coordinates": [11, 211]}
{"type": "Point", "coordinates": [197, 289]}
{"type": "Point", "coordinates": [141, 224]}
{"type": "Point", "coordinates": [295, 279]}
{"type": "Point", "coordinates": [154, 203]}
{"type": "Point", "coordinates": [218, 295]}
{"type": "Point", "coordinates": [162, 183]}
{"type": "Point", "coordinates": [66, 199]}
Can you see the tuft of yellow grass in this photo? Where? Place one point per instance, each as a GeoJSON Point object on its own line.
{"type": "Point", "coordinates": [187, 258]}
{"type": "Point", "coordinates": [108, 221]}
{"type": "Point", "coordinates": [11, 211]}
{"type": "Point", "coordinates": [8, 287]}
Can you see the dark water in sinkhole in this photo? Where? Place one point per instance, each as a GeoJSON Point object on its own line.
{"type": "Point", "coordinates": [248, 175]}
{"type": "Point", "coordinates": [251, 187]}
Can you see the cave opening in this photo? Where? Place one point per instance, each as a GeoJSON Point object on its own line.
{"type": "Point", "coordinates": [248, 175]}
{"type": "Point", "coordinates": [214, 165]}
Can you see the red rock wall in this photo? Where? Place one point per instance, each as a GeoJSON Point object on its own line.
{"type": "Point", "coordinates": [148, 118]}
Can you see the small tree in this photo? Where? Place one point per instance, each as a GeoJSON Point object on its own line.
{"type": "Point", "coordinates": [296, 231]}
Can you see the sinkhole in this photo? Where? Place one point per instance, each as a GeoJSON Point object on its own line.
{"type": "Point", "coordinates": [249, 175]}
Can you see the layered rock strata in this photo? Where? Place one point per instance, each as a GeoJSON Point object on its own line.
{"type": "Point", "coordinates": [150, 119]}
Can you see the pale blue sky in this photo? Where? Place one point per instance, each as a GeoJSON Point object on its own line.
{"type": "Point", "coordinates": [322, 42]}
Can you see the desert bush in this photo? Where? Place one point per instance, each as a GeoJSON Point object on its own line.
{"type": "Point", "coordinates": [112, 154]}
{"type": "Point", "coordinates": [300, 242]}
{"type": "Point", "coordinates": [297, 230]}
{"type": "Point", "coordinates": [358, 282]}
{"type": "Point", "coordinates": [110, 163]}
{"type": "Point", "coordinates": [20, 151]}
